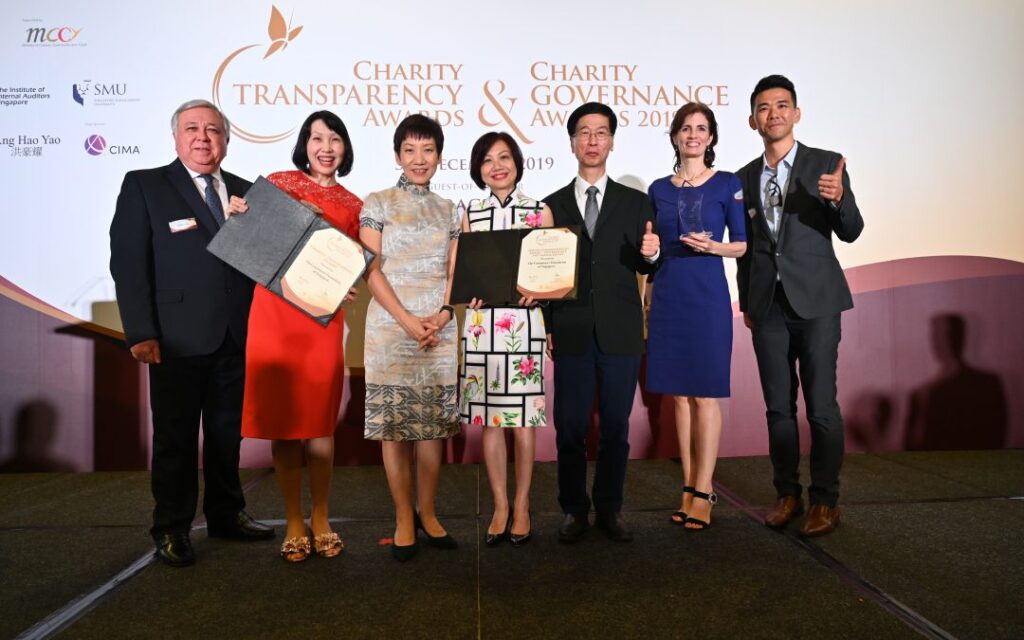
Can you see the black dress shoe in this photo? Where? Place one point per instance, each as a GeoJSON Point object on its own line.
{"type": "Point", "coordinates": [441, 542]}
{"type": "Point", "coordinates": [494, 539]}
{"type": "Point", "coordinates": [175, 550]}
{"type": "Point", "coordinates": [404, 553]}
{"type": "Point", "coordinates": [243, 527]}
{"type": "Point", "coordinates": [614, 527]}
{"type": "Point", "coordinates": [573, 527]}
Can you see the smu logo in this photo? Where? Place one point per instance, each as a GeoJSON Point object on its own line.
{"type": "Point", "coordinates": [98, 93]}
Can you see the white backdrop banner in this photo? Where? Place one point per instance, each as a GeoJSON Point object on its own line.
{"type": "Point", "coordinates": [923, 98]}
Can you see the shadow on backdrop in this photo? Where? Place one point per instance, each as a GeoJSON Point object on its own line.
{"type": "Point", "coordinates": [869, 422]}
{"type": "Point", "coordinates": [34, 431]}
{"type": "Point", "coordinates": [963, 407]}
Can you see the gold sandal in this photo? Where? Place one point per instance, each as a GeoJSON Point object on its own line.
{"type": "Point", "coordinates": [295, 549]}
{"type": "Point", "coordinates": [328, 544]}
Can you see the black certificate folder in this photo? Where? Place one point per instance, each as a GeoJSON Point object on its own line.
{"type": "Point", "coordinates": [296, 254]}
{"type": "Point", "coordinates": [487, 266]}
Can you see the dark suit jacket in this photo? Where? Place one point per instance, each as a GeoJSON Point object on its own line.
{"type": "Point", "coordinates": [607, 300]}
{"type": "Point", "coordinates": [803, 257]}
{"type": "Point", "coordinates": [169, 287]}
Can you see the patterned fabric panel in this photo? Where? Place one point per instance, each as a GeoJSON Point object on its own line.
{"type": "Point", "coordinates": [403, 413]}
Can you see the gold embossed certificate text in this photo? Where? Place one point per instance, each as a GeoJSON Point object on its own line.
{"type": "Point", "coordinates": [547, 264]}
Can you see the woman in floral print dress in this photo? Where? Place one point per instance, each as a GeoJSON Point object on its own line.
{"type": "Point", "coordinates": [501, 376]}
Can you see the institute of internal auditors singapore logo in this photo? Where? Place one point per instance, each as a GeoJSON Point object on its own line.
{"type": "Point", "coordinates": [22, 96]}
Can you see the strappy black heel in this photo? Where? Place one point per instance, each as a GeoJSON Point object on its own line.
{"type": "Point", "coordinates": [703, 524]}
{"type": "Point", "coordinates": [679, 517]}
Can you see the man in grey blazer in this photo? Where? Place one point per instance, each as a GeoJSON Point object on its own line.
{"type": "Point", "coordinates": [792, 292]}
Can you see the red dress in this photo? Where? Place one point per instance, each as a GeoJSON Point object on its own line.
{"type": "Point", "coordinates": [294, 368]}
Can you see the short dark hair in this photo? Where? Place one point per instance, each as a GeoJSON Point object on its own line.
{"type": "Point", "coordinates": [300, 158]}
{"type": "Point", "coordinates": [685, 111]}
{"type": "Point", "coordinates": [588, 108]}
{"type": "Point", "coordinates": [483, 146]}
{"type": "Point", "coordinates": [772, 82]}
{"type": "Point", "coordinates": [419, 126]}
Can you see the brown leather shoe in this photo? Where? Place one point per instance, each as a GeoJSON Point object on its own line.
{"type": "Point", "coordinates": [820, 520]}
{"type": "Point", "coordinates": [786, 508]}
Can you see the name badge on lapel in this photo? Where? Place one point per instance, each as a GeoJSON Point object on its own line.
{"type": "Point", "coordinates": [185, 224]}
{"type": "Point", "coordinates": [752, 212]}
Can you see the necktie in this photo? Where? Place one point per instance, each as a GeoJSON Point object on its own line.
{"type": "Point", "coordinates": [590, 215]}
{"type": "Point", "coordinates": [774, 201]}
{"type": "Point", "coordinates": [213, 200]}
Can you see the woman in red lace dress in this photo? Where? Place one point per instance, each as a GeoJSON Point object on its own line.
{"type": "Point", "coordinates": [294, 370]}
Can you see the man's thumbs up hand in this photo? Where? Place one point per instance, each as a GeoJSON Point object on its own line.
{"type": "Point", "coordinates": [830, 185]}
{"type": "Point", "coordinates": [651, 243]}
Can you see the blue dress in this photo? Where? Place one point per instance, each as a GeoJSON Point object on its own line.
{"type": "Point", "coordinates": [689, 344]}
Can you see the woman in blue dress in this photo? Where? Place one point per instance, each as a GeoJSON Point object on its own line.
{"type": "Point", "coordinates": [690, 321]}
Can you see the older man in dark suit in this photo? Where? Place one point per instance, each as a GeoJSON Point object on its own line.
{"type": "Point", "coordinates": [597, 339]}
{"type": "Point", "coordinates": [792, 292]}
{"type": "Point", "coordinates": [185, 314]}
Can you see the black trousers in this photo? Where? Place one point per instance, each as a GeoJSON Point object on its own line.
{"type": "Point", "coordinates": [577, 378]}
{"type": "Point", "coordinates": [793, 351]}
{"type": "Point", "coordinates": [184, 392]}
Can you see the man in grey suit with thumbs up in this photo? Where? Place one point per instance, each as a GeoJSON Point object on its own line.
{"type": "Point", "coordinates": [792, 292]}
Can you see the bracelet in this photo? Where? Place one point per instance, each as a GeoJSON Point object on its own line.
{"type": "Point", "coordinates": [450, 309]}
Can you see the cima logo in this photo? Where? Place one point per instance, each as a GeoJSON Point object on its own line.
{"type": "Point", "coordinates": [95, 144]}
{"type": "Point", "coordinates": [56, 35]}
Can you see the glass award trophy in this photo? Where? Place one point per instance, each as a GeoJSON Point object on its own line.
{"type": "Point", "coordinates": [689, 212]}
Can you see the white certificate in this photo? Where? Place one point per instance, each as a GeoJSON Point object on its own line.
{"type": "Point", "coordinates": [547, 264]}
{"type": "Point", "coordinates": [323, 272]}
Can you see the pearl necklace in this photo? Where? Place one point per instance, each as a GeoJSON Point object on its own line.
{"type": "Point", "coordinates": [691, 180]}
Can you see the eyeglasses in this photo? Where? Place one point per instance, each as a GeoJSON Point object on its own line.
{"type": "Point", "coordinates": [587, 134]}
{"type": "Point", "coordinates": [772, 192]}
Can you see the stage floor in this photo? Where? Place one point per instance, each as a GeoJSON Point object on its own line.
{"type": "Point", "coordinates": [930, 544]}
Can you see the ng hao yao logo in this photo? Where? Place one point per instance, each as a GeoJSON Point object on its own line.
{"type": "Point", "coordinates": [281, 33]}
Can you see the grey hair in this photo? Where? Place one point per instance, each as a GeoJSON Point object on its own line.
{"type": "Point", "coordinates": [192, 104]}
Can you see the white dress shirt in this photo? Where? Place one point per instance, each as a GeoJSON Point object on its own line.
{"type": "Point", "coordinates": [581, 187]}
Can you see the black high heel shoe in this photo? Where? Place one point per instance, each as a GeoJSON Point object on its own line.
{"type": "Point", "coordinates": [702, 524]}
{"type": "Point", "coordinates": [440, 542]}
{"type": "Point", "coordinates": [679, 517]}
{"type": "Point", "coordinates": [494, 539]}
{"type": "Point", "coordinates": [519, 540]}
{"type": "Point", "coordinates": [404, 553]}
